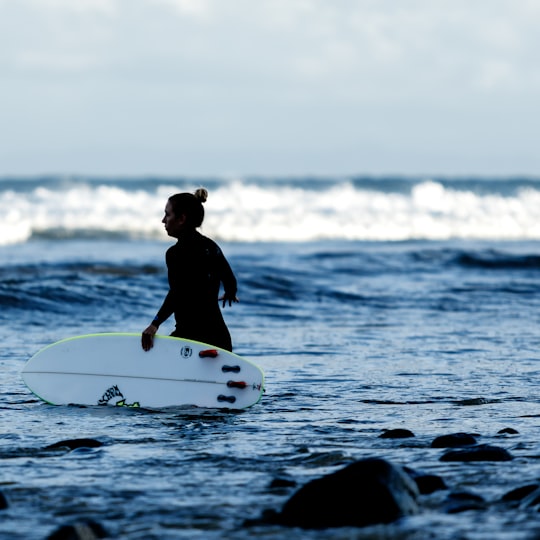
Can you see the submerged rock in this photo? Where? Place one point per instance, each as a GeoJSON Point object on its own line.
{"type": "Point", "coordinates": [396, 434]}
{"type": "Point", "coordinates": [79, 531]}
{"type": "Point", "coordinates": [3, 501]}
{"type": "Point", "coordinates": [366, 492]}
{"type": "Point", "coordinates": [427, 483]}
{"type": "Point", "coordinates": [520, 493]}
{"type": "Point", "coordinates": [72, 444]}
{"type": "Point", "coordinates": [462, 501]}
{"type": "Point", "coordinates": [483, 452]}
{"type": "Point", "coordinates": [508, 431]}
{"type": "Point", "coordinates": [454, 440]}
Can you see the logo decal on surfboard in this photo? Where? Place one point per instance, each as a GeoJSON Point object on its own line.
{"type": "Point", "coordinates": [112, 393]}
{"type": "Point", "coordinates": [186, 351]}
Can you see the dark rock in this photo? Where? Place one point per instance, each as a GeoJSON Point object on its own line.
{"type": "Point", "coordinates": [519, 493]}
{"type": "Point", "coordinates": [465, 496]}
{"type": "Point", "coordinates": [79, 531]}
{"type": "Point", "coordinates": [366, 492]}
{"type": "Point", "coordinates": [396, 434]}
{"type": "Point", "coordinates": [3, 501]}
{"type": "Point", "coordinates": [429, 483]}
{"type": "Point", "coordinates": [508, 430]}
{"type": "Point", "coordinates": [483, 452]}
{"type": "Point", "coordinates": [461, 501]}
{"type": "Point", "coordinates": [453, 440]}
{"type": "Point", "coordinates": [472, 402]}
{"type": "Point", "coordinates": [426, 483]}
{"type": "Point", "coordinates": [72, 444]}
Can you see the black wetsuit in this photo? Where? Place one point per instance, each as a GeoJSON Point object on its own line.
{"type": "Point", "coordinates": [196, 267]}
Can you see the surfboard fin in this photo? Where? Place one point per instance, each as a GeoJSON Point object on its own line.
{"type": "Point", "coordinates": [209, 353]}
{"type": "Point", "coordinates": [230, 399]}
{"type": "Point", "coordinates": [233, 369]}
{"type": "Point", "coordinates": [237, 384]}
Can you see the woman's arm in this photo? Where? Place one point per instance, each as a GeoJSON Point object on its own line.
{"type": "Point", "coordinates": [165, 311]}
{"type": "Point", "coordinates": [229, 281]}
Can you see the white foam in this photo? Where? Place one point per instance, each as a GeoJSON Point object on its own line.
{"type": "Point", "coordinates": [251, 212]}
{"type": "Point", "coordinates": [430, 211]}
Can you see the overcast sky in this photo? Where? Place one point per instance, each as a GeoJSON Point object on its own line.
{"type": "Point", "coordinates": [269, 87]}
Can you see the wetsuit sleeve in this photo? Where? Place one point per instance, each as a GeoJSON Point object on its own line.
{"type": "Point", "coordinates": [165, 311]}
{"type": "Point", "coordinates": [227, 276]}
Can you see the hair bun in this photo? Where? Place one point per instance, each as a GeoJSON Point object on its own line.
{"type": "Point", "coordinates": [201, 194]}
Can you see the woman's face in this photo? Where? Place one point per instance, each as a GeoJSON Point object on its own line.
{"type": "Point", "coordinates": [173, 224]}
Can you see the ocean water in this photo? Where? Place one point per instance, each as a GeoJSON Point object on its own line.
{"type": "Point", "coordinates": [370, 303]}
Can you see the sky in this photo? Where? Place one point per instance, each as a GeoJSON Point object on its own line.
{"type": "Point", "coordinates": [269, 87]}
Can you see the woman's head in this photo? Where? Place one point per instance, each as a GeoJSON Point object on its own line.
{"type": "Point", "coordinates": [184, 211]}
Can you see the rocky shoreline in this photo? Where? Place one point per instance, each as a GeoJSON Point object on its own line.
{"type": "Point", "coordinates": [364, 492]}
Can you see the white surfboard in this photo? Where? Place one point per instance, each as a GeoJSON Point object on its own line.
{"type": "Point", "coordinates": [113, 369]}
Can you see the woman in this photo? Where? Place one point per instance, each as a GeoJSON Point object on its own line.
{"type": "Point", "coordinates": [196, 267]}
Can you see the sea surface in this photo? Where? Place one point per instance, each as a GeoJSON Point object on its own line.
{"type": "Point", "coordinates": [370, 303]}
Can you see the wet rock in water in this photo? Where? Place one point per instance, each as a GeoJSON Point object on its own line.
{"type": "Point", "coordinates": [430, 483]}
{"type": "Point", "coordinates": [73, 444]}
{"type": "Point", "coordinates": [454, 440]}
{"type": "Point", "coordinates": [472, 402]}
{"type": "Point", "coordinates": [365, 492]}
{"type": "Point", "coordinates": [3, 501]}
{"type": "Point", "coordinates": [79, 531]}
{"type": "Point", "coordinates": [462, 501]}
{"type": "Point", "coordinates": [483, 452]}
{"type": "Point", "coordinates": [519, 493]}
{"type": "Point", "coordinates": [396, 434]}
{"type": "Point", "coordinates": [427, 483]}
{"type": "Point", "coordinates": [508, 430]}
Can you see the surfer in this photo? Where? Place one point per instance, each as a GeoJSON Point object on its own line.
{"type": "Point", "coordinates": [196, 267]}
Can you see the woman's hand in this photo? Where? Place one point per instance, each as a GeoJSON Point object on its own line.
{"type": "Point", "coordinates": [147, 338]}
{"type": "Point", "coordinates": [228, 298]}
